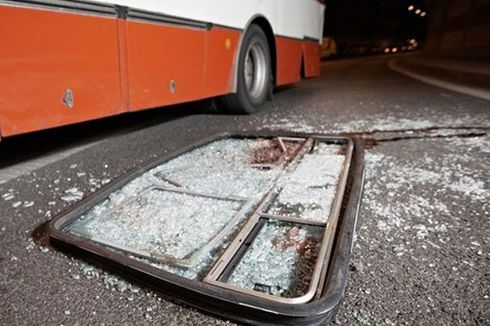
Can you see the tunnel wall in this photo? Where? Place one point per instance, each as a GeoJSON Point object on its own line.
{"type": "Point", "coordinates": [459, 28]}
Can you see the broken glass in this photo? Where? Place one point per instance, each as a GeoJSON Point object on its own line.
{"type": "Point", "coordinates": [309, 190]}
{"type": "Point", "coordinates": [160, 222]}
{"type": "Point", "coordinates": [280, 260]}
{"type": "Point", "coordinates": [183, 214]}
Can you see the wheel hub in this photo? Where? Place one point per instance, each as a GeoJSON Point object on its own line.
{"type": "Point", "coordinates": [255, 70]}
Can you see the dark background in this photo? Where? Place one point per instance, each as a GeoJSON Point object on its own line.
{"type": "Point", "coordinates": [362, 27]}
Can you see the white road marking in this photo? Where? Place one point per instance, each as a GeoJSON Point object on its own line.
{"type": "Point", "coordinates": [17, 170]}
{"type": "Point", "coordinates": [460, 88]}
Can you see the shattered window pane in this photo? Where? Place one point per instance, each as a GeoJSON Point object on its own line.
{"type": "Point", "coordinates": [159, 222]}
{"type": "Point", "coordinates": [181, 215]}
{"type": "Point", "coordinates": [280, 260]}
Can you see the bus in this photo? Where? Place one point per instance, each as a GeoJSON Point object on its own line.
{"type": "Point", "coordinates": [63, 62]}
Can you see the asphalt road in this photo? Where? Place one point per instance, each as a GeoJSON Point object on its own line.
{"type": "Point", "coordinates": [422, 249]}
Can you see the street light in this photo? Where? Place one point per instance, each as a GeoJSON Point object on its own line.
{"type": "Point", "coordinates": [423, 13]}
{"type": "Point", "coordinates": [418, 11]}
{"type": "Point", "coordinates": [411, 7]}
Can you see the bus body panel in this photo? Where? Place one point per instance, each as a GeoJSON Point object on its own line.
{"type": "Point", "coordinates": [169, 64]}
{"type": "Point", "coordinates": [221, 51]}
{"type": "Point", "coordinates": [43, 54]}
{"type": "Point", "coordinates": [289, 53]}
{"type": "Point", "coordinates": [165, 64]}
{"type": "Point", "coordinates": [311, 56]}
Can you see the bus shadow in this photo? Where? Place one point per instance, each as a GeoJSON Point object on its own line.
{"type": "Point", "coordinates": [22, 148]}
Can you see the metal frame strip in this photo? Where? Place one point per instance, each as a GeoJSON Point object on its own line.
{"type": "Point", "coordinates": [139, 14]}
{"type": "Point", "coordinates": [228, 254]}
{"type": "Point", "coordinates": [66, 6]}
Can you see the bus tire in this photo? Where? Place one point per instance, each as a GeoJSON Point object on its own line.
{"type": "Point", "coordinates": [254, 75]}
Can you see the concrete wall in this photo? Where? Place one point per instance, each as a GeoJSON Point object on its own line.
{"type": "Point", "coordinates": [459, 28]}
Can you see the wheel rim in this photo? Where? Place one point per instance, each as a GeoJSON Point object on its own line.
{"type": "Point", "coordinates": [255, 70]}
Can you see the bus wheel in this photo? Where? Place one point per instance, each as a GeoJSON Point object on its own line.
{"type": "Point", "coordinates": [254, 74]}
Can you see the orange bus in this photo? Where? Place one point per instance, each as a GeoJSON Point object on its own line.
{"type": "Point", "coordinates": [63, 62]}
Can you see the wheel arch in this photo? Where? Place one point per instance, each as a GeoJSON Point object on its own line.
{"type": "Point", "coordinates": [265, 25]}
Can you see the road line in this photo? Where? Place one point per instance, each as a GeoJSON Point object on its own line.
{"type": "Point", "coordinates": [477, 92]}
{"type": "Point", "coordinates": [17, 170]}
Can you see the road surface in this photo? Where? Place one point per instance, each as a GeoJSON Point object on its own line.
{"type": "Point", "coordinates": [422, 249]}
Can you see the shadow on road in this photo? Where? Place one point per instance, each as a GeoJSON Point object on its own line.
{"type": "Point", "coordinates": [18, 149]}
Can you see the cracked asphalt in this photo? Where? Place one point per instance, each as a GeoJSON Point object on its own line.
{"type": "Point", "coordinates": [422, 248]}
